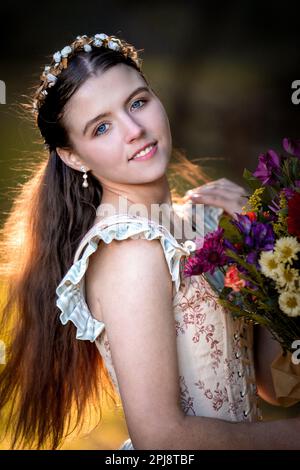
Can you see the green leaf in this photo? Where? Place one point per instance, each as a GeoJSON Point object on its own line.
{"type": "Point", "coordinates": [251, 315]}
{"type": "Point", "coordinates": [256, 293]}
{"type": "Point", "coordinates": [231, 232]}
{"type": "Point", "coordinates": [295, 170]}
{"type": "Point", "coordinates": [253, 182]}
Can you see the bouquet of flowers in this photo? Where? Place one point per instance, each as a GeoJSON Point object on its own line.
{"type": "Point", "coordinates": [258, 251]}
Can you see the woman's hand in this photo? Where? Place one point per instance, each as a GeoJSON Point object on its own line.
{"type": "Point", "coordinates": [220, 193]}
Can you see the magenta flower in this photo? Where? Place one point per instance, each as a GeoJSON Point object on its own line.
{"type": "Point", "coordinates": [268, 167]}
{"type": "Point", "coordinates": [209, 257]}
{"type": "Point", "coordinates": [291, 146]}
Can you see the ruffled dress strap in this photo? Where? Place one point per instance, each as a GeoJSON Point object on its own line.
{"type": "Point", "coordinates": [71, 290]}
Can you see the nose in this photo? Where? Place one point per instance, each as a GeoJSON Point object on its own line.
{"type": "Point", "coordinates": [132, 129]}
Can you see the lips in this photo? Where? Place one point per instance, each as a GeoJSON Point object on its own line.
{"type": "Point", "coordinates": [143, 148]}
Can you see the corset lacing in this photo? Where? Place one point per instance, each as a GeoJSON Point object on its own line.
{"type": "Point", "coordinates": [246, 372]}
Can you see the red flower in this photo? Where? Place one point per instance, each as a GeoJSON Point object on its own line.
{"type": "Point", "coordinates": [293, 219]}
{"type": "Point", "coordinates": [252, 215]}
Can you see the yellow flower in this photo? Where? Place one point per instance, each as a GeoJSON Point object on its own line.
{"type": "Point", "coordinates": [287, 277]}
{"type": "Point", "coordinates": [254, 201]}
{"type": "Point", "coordinates": [280, 227]}
{"type": "Point", "coordinates": [286, 249]}
{"type": "Point", "coordinates": [269, 264]}
{"type": "Point", "coordinates": [289, 303]}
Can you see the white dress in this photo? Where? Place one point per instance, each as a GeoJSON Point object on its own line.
{"type": "Point", "coordinates": [215, 358]}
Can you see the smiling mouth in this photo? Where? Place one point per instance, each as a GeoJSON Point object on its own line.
{"type": "Point", "coordinates": [146, 153]}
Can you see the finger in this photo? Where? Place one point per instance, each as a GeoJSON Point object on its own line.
{"type": "Point", "coordinates": [220, 204]}
{"type": "Point", "coordinates": [229, 187]}
{"type": "Point", "coordinates": [221, 194]}
{"type": "Point", "coordinates": [219, 185]}
{"type": "Point", "coordinates": [226, 182]}
{"type": "Point", "coordinates": [232, 188]}
{"type": "Point", "coordinates": [208, 199]}
{"type": "Point", "coordinates": [227, 204]}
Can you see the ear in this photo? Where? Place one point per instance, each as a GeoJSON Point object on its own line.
{"type": "Point", "coordinates": [70, 158]}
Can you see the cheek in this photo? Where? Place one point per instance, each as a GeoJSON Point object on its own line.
{"type": "Point", "coordinates": [163, 131]}
{"type": "Point", "coordinates": [102, 153]}
{"type": "Point", "coordinates": [162, 121]}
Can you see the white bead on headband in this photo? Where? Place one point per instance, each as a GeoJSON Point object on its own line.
{"type": "Point", "coordinates": [82, 43]}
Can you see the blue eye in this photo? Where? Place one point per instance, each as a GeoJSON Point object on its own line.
{"type": "Point", "coordinates": [138, 101]}
{"type": "Point", "coordinates": [101, 129]}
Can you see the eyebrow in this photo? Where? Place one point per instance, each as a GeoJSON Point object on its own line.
{"type": "Point", "coordinates": [102, 115]}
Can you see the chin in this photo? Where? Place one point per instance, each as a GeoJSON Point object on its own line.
{"type": "Point", "coordinates": [152, 174]}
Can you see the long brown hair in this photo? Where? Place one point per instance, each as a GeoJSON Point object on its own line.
{"type": "Point", "coordinates": [50, 377]}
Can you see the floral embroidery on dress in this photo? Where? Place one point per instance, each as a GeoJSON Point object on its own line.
{"type": "Point", "coordinates": [236, 407]}
{"type": "Point", "coordinates": [205, 293]}
{"type": "Point", "coordinates": [230, 371]}
{"type": "Point", "coordinates": [219, 395]}
{"type": "Point", "coordinates": [187, 402]}
{"type": "Point", "coordinates": [191, 315]}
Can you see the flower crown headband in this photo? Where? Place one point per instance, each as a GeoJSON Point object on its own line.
{"type": "Point", "coordinates": [81, 43]}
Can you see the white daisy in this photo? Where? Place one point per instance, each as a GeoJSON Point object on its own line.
{"type": "Point", "coordinates": [289, 303]}
{"type": "Point", "coordinates": [269, 264]}
{"type": "Point", "coordinates": [286, 248]}
{"type": "Point", "coordinates": [287, 277]}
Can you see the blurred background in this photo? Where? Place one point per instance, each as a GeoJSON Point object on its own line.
{"type": "Point", "coordinates": [224, 72]}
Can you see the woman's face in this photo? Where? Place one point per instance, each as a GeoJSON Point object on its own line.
{"type": "Point", "coordinates": [132, 117]}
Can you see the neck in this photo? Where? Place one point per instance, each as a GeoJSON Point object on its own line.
{"type": "Point", "coordinates": [151, 200]}
{"type": "Point", "coordinates": [156, 192]}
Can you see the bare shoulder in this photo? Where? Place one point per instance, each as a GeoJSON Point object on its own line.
{"type": "Point", "coordinates": [127, 258]}
{"type": "Point", "coordinates": [128, 267]}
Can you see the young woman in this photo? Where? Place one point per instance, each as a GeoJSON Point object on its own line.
{"type": "Point", "coordinates": [86, 282]}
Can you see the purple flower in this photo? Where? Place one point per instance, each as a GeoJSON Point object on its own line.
{"type": "Point", "coordinates": [247, 283]}
{"type": "Point", "coordinates": [275, 206]}
{"type": "Point", "coordinates": [209, 257]}
{"type": "Point", "coordinates": [243, 223]}
{"type": "Point", "coordinates": [230, 246]}
{"type": "Point", "coordinates": [288, 192]}
{"type": "Point", "coordinates": [268, 167]}
{"type": "Point", "coordinates": [263, 237]}
{"type": "Point", "coordinates": [258, 237]}
{"type": "Point", "coordinates": [291, 146]}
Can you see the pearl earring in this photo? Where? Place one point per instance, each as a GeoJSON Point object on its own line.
{"type": "Point", "coordinates": [85, 183]}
